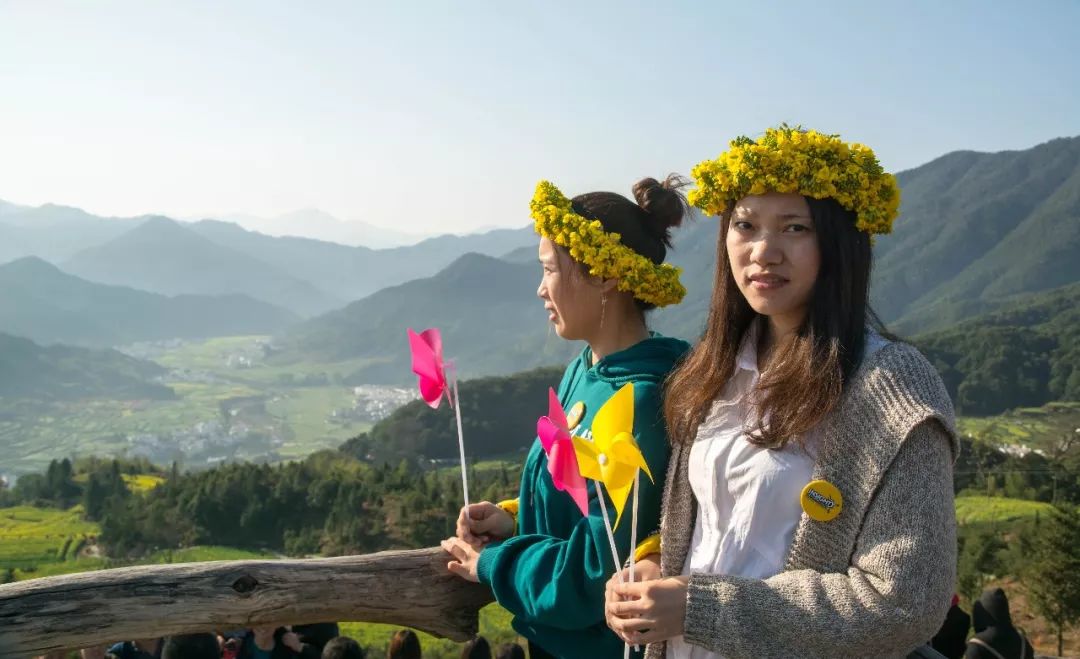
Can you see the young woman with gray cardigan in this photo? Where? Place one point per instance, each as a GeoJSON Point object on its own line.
{"type": "Point", "coordinates": [808, 505]}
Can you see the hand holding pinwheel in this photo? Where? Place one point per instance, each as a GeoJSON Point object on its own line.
{"type": "Point", "coordinates": [614, 459]}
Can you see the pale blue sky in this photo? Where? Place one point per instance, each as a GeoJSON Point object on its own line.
{"type": "Point", "coordinates": [441, 116]}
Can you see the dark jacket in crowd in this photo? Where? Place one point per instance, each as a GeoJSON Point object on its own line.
{"type": "Point", "coordinates": [280, 651]}
{"type": "Point", "coordinates": [994, 628]}
{"type": "Point", "coordinates": [951, 639]}
{"type": "Point", "coordinates": [315, 637]}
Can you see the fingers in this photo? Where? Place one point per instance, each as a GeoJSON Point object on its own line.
{"type": "Point", "coordinates": [461, 527]}
{"type": "Point", "coordinates": [481, 510]}
{"type": "Point", "coordinates": [484, 526]}
{"type": "Point", "coordinates": [628, 608]}
{"type": "Point", "coordinates": [453, 547]}
{"type": "Point", "coordinates": [467, 531]}
{"type": "Point", "coordinates": [630, 626]}
{"type": "Point", "coordinates": [654, 635]}
{"type": "Point", "coordinates": [629, 590]}
{"type": "Point", "coordinates": [459, 570]}
{"type": "Point", "coordinates": [475, 521]}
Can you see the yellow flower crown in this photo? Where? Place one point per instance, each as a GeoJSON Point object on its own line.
{"type": "Point", "coordinates": [554, 218]}
{"type": "Point", "coordinates": [790, 159]}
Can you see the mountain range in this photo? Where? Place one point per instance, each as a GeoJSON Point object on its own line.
{"type": "Point", "coordinates": [975, 231]}
{"type": "Point", "coordinates": [40, 302]}
{"type": "Point", "coordinates": [486, 308]}
{"type": "Point", "coordinates": [211, 257]}
{"type": "Point", "coordinates": [1024, 354]}
{"type": "Point", "coordinates": [320, 225]}
{"type": "Point", "coordinates": [28, 370]}
{"type": "Point", "coordinates": [976, 228]}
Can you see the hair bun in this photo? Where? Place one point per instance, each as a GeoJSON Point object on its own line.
{"type": "Point", "coordinates": [663, 203]}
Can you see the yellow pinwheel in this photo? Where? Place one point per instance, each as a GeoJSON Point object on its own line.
{"type": "Point", "coordinates": [613, 457]}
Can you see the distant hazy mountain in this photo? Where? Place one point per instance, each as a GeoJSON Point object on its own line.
{"type": "Point", "coordinates": [487, 309]}
{"type": "Point", "coordinates": [162, 256]}
{"type": "Point", "coordinates": [320, 225]}
{"type": "Point", "coordinates": [334, 273]}
{"type": "Point", "coordinates": [52, 232]}
{"type": "Point", "coordinates": [39, 302]}
{"type": "Point", "coordinates": [28, 370]}
{"type": "Point", "coordinates": [351, 273]}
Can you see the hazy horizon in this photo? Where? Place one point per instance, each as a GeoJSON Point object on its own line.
{"type": "Point", "coordinates": [442, 121]}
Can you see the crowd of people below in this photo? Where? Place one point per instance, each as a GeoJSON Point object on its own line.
{"type": "Point", "coordinates": [314, 641]}
{"type": "Point", "coordinates": [995, 637]}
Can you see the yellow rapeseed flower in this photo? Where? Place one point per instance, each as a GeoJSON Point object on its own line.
{"type": "Point", "coordinates": [813, 164]}
{"type": "Point", "coordinates": [607, 258]}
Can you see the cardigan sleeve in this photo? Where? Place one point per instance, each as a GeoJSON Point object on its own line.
{"type": "Point", "coordinates": [892, 598]}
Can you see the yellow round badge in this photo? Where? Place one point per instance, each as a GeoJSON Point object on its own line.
{"type": "Point", "coordinates": [575, 415]}
{"type": "Point", "coordinates": [821, 500]}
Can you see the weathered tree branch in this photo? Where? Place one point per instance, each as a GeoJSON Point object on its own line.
{"type": "Point", "coordinates": [408, 588]}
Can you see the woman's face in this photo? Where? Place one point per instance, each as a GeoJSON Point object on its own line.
{"type": "Point", "coordinates": [573, 303]}
{"type": "Point", "coordinates": [773, 251]}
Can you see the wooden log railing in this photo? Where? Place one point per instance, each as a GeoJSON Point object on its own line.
{"type": "Point", "coordinates": [408, 588]}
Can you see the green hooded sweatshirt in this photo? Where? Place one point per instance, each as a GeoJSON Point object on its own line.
{"type": "Point", "coordinates": [553, 573]}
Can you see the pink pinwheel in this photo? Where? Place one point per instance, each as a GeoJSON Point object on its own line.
{"type": "Point", "coordinates": [427, 363]}
{"type": "Point", "coordinates": [562, 460]}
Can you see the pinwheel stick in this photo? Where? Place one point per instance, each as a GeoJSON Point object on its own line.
{"type": "Point", "coordinates": [633, 523]}
{"type": "Point", "coordinates": [633, 545]}
{"type": "Point", "coordinates": [607, 527]}
{"type": "Point", "coordinates": [460, 434]}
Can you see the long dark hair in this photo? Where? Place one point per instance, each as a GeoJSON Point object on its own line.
{"type": "Point", "coordinates": [644, 226]}
{"type": "Point", "coordinates": [808, 370]}
{"type": "Point", "coordinates": [404, 644]}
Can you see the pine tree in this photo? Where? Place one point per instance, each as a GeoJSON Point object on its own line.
{"type": "Point", "coordinates": [1052, 573]}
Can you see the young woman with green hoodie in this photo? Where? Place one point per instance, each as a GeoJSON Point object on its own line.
{"type": "Point", "coordinates": [602, 258]}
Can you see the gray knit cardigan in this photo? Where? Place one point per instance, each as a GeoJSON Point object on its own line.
{"type": "Point", "coordinates": [877, 580]}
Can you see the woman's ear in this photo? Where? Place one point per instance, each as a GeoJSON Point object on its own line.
{"type": "Point", "coordinates": [609, 285]}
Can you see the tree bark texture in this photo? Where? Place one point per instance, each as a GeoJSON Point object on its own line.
{"type": "Point", "coordinates": [408, 588]}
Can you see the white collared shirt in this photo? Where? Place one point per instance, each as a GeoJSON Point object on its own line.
{"type": "Point", "coordinates": [748, 496]}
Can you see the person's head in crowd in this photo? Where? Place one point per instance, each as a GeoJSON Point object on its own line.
{"type": "Point", "coordinates": [138, 649]}
{"type": "Point", "coordinates": [510, 651]}
{"type": "Point", "coordinates": [404, 644]}
{"type": "Point", "coordinates": [191, 646]}
{"type": "Point", "coordinates": [342, 647]}
{"type": "Point", "coordinates": [991, 610]}
{"type": "Point", "coordinates": [264, 635]}
{"type": "Point", "coordinates": [478, 648]}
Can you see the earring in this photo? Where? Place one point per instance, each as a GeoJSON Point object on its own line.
{"type": "Point", "coordinates": [603, 308]}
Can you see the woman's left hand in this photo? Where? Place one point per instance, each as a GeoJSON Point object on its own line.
{"type": "Point", "coordinates": [646, 611]}
{"type": "Point", "coordinates": [465, 558]}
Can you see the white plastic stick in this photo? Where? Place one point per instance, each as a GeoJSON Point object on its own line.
{"type": "Point", "coordinates": [633, 546]}
{"type": "Point", "coordinates": [607, 527]}
{"type": "Point", "coordinates": [460, 434]}
{"type": "Point", "coordinates": [633, 523]}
